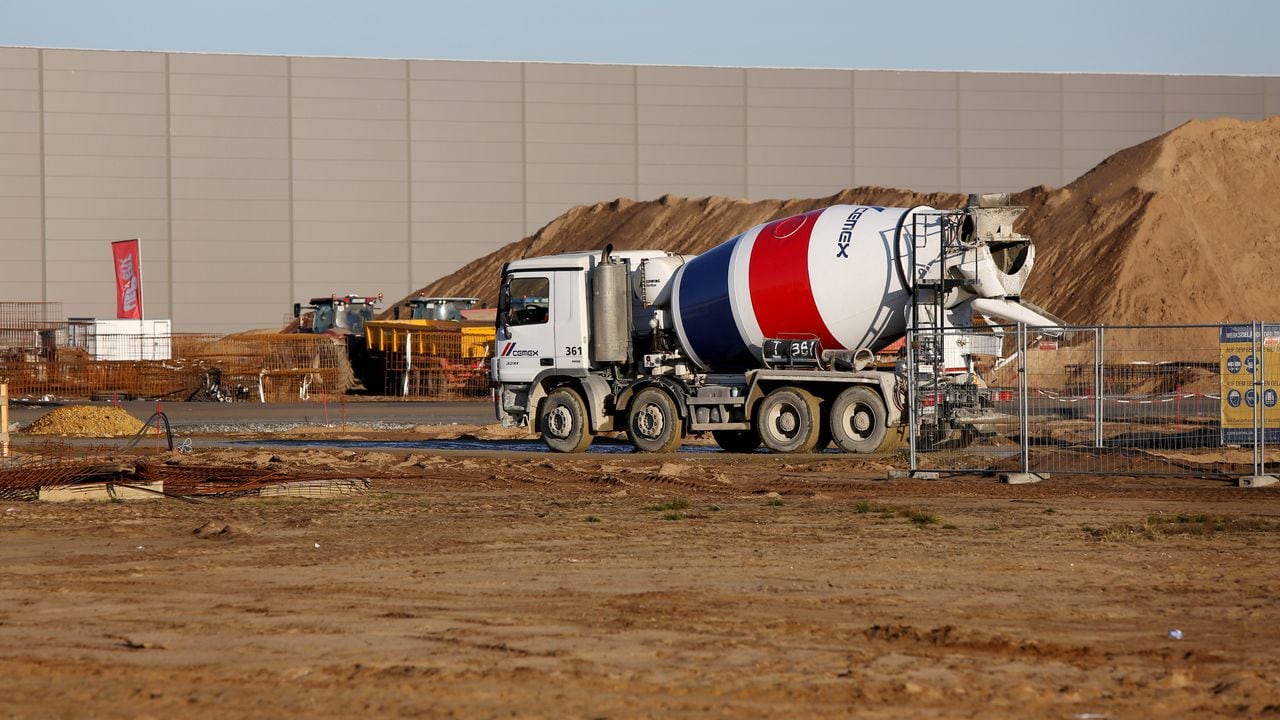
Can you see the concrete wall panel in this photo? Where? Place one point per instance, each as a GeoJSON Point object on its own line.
{"type": "Point", "coordinates": [799, 157]}
{"type": "Point", "coordinates": [541, 113]}
{"type": "Point", "coordinates": [22, 244]}
{"type": "Point", "coordinates": [799, 117]}
{"type": "Point", "coordinates": [461, 212]}
{"type": "Point", "coordinates": [466, 111]}
{"type": "Point", "coordinates": [903, 80]}
{"type": "Point", "coordinates": [214, 86]}
{"type": "Point", "coordinates": [798, 79]}
{"type": "Point", "coordinates": [799, 98]}
{"type": "Point", "coordinates": [465, 71]}
{"type": "Point", "coordinates": [479, 191]}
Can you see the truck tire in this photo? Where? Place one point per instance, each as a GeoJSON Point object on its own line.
{"type": "Point", "coordinates": [736, 441]}
{"type": "Point", "coordinates": [562, 420]}
{"type": "Point", "coordinates": [788, 421]}
{"type": "Point", "coordinates": [653, 422]}
{"type": "Point", "coordinates": [858, 421]}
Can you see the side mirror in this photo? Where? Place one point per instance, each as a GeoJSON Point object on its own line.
{"type": "Point", "coordinates": [297, 309]}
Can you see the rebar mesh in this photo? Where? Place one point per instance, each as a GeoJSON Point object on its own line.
{"type": "Point", "coordinates": [438, 365]}
{"type": "Point", "coordinates": [52, 466]}
{"type": "Point", "coordinates": [31, 326]}
{"type": "Point", "coordinates": [271, 367]}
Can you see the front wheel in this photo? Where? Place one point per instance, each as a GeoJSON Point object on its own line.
{"type": "Point", "coordinates": [562, 420]}
{"type": "Point", "coordinates": [653, 422]}
{"type": "Point", "coordinates": [788, 421]}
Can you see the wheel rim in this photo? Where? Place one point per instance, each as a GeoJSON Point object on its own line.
{"type": "Point", "coordinates": [785, 421]}
{"type": "Point", "coordinates": [650, 422]}
{"type": "Point", "coordinates": [862, 422]}
{"type": "Point", "coordinates": [559, 422]}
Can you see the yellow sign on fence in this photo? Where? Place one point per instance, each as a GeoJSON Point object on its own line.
{"type": "Point", "coordinates": [1244, 362]}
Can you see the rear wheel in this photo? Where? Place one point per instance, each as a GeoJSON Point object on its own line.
{"type": "Point", "coordinates": [736, 441]}
{"type": "Point", "coordinates": [653, 422]}
{"type": "Point", "coordinates": [787, 421]}
{"type": "Point", "coordinates": [858, 420]}
{"type": "Point", "coordinates": [563, 422]}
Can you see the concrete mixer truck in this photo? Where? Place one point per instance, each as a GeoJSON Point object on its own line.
{"type": "Point", "coordinates": [768, 338]}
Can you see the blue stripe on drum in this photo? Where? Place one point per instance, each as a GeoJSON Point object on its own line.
{"type": "Point", "coordinates": [705, 316]}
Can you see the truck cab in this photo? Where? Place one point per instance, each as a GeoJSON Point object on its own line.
{"type": "Point", "coordinates": [546, 348]}
{"type": "Point", "coordinates": [449, 309]}
{"type": "Point", "coordinates": [337, 314]}
{"type": "Point", "coordinates": [531, 339]}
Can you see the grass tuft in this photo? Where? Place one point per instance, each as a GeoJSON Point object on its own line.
{"type": "Point", "coordinates": [923, 519]}
{"type": "Point", "coordinates": [591, 519]}
{"type": "Point", "coordinates": [1155, 527]}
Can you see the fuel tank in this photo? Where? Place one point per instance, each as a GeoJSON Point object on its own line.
{"type": "Point", "coordinates": [842, 275]}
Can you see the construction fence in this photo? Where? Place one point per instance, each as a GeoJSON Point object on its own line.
{"type": "Point", "coordinates": [262, 367]}
{"type": "Point", "coordinates": [1136, 400]}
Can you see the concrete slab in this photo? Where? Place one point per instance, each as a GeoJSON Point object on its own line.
{"type": "Point", "coordinates": [1023, 478]}
{"type": "Point", "coordinates": [1253, 481]}
{"type": "Point", "coordinates": [316, 488]}
{"type": "Point", "coordinates": [102, 492]}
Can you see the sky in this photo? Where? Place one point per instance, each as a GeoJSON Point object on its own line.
{"type": "Point", "coordinates": [1144, 36]}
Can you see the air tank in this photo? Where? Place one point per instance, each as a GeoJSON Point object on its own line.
{"type": "Point", "coordinates": [841, 274]}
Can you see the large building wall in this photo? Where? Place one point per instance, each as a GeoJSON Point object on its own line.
{"type": "Point", "coordinates": [258, 181]}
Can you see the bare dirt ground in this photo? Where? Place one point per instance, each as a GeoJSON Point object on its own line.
{"type": "Point", "coordinates": [483, 584]}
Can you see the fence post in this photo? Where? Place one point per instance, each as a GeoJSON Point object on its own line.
{"type": "Point", "coordinates": [912, 399]}
{"type": "Point", "coordinates": [1099, 383]}
{"type": "Point", "coordinates": [1259, 477]}
{"type": "Point", "coordinates": [1259, 429]}
{"type": "Point", "coordinates": [4, 419]}
{"type": "Point", "coordinates": [1024, 423]}
{"type": "Point", "coordinates": [408, 362]}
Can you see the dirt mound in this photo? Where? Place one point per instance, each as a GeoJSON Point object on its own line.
{"type": "Point", "coordinates": [684, 225]}
{"type": "Point", "coordinates": [1178, 229]}
{"type": "Point", "coordinates": [1175, 230]}
{"type": "Point", "coordinates": [85, 421]}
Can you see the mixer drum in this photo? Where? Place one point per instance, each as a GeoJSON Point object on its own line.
{"type": "Point", "coordinates": [840, 275]}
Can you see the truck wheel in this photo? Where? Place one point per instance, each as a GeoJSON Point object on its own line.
{"type": "Point", "coordinates": [736, 441]}
{"type": "Point", "coordinates": [858, 422]}
{"type": "Point", "coordinates": [653, 422]}
{"type": "Point", "coordinates": [787, 421]}
{"type": "Point", "coordinates": [562, 420]}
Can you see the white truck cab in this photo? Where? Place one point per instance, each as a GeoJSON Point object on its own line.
{"type": "Point", "coordinates": [544, 333]}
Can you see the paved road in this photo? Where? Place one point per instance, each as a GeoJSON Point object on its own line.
{"type": "Point", "coordinates": [184, 414]}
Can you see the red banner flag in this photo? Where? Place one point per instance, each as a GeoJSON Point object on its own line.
{"type": "Point", "coordinates": [128, 262]}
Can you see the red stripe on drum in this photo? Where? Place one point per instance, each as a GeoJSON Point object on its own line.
{"type": "Point", "coordinates": [781, 293]}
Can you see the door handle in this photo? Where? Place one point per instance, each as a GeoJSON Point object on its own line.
{"type": "Point", "coordinates": [547, 362]}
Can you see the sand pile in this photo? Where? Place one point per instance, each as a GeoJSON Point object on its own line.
{"type": "Point", "coordinates": [1179, 229]}
{"type": "Point", "coordinates": [685, 225]}
{"type": "Point", "coordinates": [85, 421]}
{"type": "Point", "coordinates": [1184, 228]}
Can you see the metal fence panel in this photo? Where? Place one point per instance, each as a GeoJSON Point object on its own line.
{"type": "Point", "coordinates": [1137, 400]}
{"type": "Point", "coordinates": [989, 443]}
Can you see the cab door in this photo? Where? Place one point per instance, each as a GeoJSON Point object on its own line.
{"type": "Point", "coordinates": [526, 342]}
